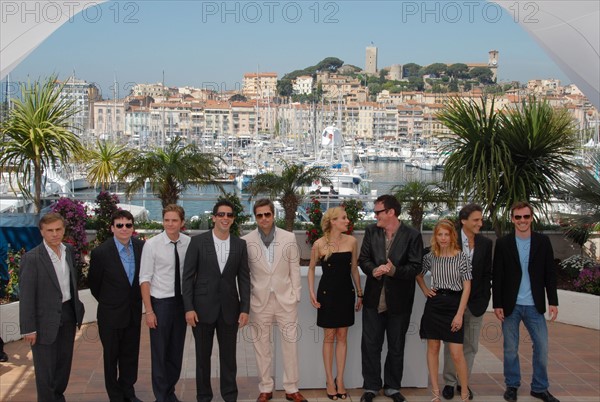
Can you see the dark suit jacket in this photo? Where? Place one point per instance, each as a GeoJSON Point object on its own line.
{"type": "Point", "coordinates": [481, 284]}
{"type": "Point", "coordinates": [507, 273]}
{"type": "Point", "coordinates": [406, 255]}
{"type": "Point", "coordinates": [119, 303]}
{"type": "Point", "coordinates": [40, 306]}
{"type": "Point", "coordinates": [208, 291]}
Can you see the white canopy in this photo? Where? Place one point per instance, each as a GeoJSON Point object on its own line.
{"type": "Point", "coordinates": [25, 25]}
{"type": "Point", "coordinates": [569, 31]}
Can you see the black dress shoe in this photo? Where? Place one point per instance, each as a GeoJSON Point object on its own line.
{"type": "Point", "coordinates": [544, 396]}
{"type": "Point", "coordinates": [448, 392]}
{"type": "Point", "coordinates": [459, 388]}
{"type": "Point", "coordinates": [133, 399]}
{"type": "Point", "coordinates": [510, 394]}
{"type": "Point", "coordinates": [367, 397]}
{"type": "Point", "coordinates": [3, 357]}
{"type": "Point", "coordinates": [398, 397]}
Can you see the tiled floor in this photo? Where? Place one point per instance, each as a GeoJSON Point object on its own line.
{"type": "Point", "coordinates": [574, 369]}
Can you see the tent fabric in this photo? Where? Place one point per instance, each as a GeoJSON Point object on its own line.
{"type": "Point", "coordinates": [25, 25]}
{"type": "Point", "coordinates": [569, 33]}
{"type": "Point", "coordinates": [17, 231]}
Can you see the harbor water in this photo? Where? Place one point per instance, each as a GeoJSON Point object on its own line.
{"type": "Point", "coordinates": [198, 201]}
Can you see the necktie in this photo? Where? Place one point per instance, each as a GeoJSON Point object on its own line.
{"type": "Point", "coordinates": [128, 267]}
{"type": "Point", "coordinates": [177, 272]}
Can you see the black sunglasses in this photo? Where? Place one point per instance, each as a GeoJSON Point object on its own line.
{"type": "Point", "coordinates": [518, 217]}
{"type": "Point", "coordinates": [380, 211]}
{"type": "Point", "coordinates": [266, 215]}
{"type": "Point", "coordinates": [120, 225]}
{"type": "Point", "coordinates": [223, 214]}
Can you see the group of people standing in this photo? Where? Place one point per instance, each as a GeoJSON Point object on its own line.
{"type": "Point", "coordinates": [216, 282]}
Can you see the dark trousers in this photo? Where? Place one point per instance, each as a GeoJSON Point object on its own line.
{"type": "Point", "coordinates": [52, 363]}
{"type": "Point", "coordinates": [227, 337]}
{"type": "Point", "coordinates": [121, 349]}
{"type": "Point", "coordinates": [374, 327]}
{"type": "Point", "coordinates": [166, 346]}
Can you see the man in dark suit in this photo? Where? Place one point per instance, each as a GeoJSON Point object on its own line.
{"type": "Point", "coordinates": [390, 257]}
{"type": "Point", "coordinates": [50, 308]}
{"type": "Point", "coordinates": [524, 270]}
{"type": "Point", "coordinates": [114, 281]}
{"type": "Point", "coordinates": [216, 266]}
{"type": "Point", "coordinates": [479, 250]}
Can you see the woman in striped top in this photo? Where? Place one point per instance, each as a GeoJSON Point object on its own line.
{"type": "Point", "coordinates": [446, 302]}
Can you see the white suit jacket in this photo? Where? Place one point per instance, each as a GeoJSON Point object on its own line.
{"type": "Point", "coordinates": [282, 276]}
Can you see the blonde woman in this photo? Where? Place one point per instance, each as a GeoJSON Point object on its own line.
{"type": "Point", "coordinates": [339, 294]}
{"type": "Point", "coordinates": [446, 303]}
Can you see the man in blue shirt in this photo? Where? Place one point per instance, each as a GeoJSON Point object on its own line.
{"type": "Point", "coordinates": [114, 281]}
{"type": "Point", "coordinates": [524, 270]}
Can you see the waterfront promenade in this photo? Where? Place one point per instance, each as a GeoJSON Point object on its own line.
{"type": "Point", "coordinates": [574, 369]}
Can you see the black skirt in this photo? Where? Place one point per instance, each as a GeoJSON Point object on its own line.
{"type": "Point", "coordinates": [440, 310]}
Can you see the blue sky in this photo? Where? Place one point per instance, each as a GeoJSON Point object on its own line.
{"type": "Point", "coordinates": [213, 43]}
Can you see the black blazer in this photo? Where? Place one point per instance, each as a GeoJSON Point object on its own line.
{"type": "Point", "coordinates": [119, 303]}
{"type": "Point", "coordinates": [40, 306]}
{"type": "Point", "coordinates": [406, 255]}
{"type": "Point", "coordinates": [507, 273]}
{"type": "Point", "coordinates": [481, 284]}
{"type": "Point", "coordinates": [208, 291]}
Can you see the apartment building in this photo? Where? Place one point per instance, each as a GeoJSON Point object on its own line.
{"type": "Point", "coordinates": [303, 85]}
{"type": "Point", "coordinates": [83, 95]}
{"type": "Point", "coordinates": [109, 119]}
{"type": "Point", "coordinates": [259, 85]}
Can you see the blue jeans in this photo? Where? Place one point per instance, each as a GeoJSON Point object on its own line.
{"type": "Point", "coordinates": [538, 332]}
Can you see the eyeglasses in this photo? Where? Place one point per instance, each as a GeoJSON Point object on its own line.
{"type": "Point", "coordinates": [518, 217]}
{"type": "Point", "coordinates": [120, 225]}
{"type": "Point", "coordinates": [266, 215]}
{"type": "Point", "coordinates": [380, 211]}
{"type": "Point", "coordinates": [223, 214]}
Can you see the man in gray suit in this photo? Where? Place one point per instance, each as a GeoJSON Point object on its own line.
{"type": "Point", "coordinates": [50, 308]}
{"type": "Point", "coordinates": [216, 296]}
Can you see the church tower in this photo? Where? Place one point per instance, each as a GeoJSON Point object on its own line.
{"type": "Point", "coordinates": [493, 63]}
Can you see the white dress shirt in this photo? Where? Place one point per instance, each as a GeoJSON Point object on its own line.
{"type": "Point", "coordinates": [62, 270]}
{"type": "Point", "coordinates": [158, 264]}
{"type": "Point", "coordinates": [222, 248]}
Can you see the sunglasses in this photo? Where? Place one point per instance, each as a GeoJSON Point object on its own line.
{"type": "Point", "coordinates": [120, 225]}
{"type": "Point", "coordinates": [518, 217]}
{"type": "Point", "coordinates": [380, 211]}
{"type": "Point", "coordinates": [224, 214]}
{"type": "Point", "coordinates": [266, 215]}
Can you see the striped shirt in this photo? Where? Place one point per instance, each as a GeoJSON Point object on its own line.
{"type": "Point", "coordinates": [447, 272]}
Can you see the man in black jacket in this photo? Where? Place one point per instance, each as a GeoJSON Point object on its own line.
{"type": "Point", "coordinates": [390, 257]}
{"type": "Point", "coordinates": [114, 281]}
{"type": "Point", "coordinates": [479, 250]}
{"type": "Point", "coordinates": [524, 270]}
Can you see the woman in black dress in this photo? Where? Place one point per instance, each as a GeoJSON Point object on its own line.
{"type": "Point", "coordinates": [337, 297]}
{"type": "Point", "coordinates": [446, 302]}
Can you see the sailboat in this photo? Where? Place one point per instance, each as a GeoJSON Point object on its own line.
{"type": "Point", "coordinates": [346, 181]}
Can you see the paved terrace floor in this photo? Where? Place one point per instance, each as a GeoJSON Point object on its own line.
{"type": "Point", "coordinates": [574, 369]}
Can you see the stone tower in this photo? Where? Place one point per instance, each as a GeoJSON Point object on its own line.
{"type": "Point", "coordinates": [371, 60]}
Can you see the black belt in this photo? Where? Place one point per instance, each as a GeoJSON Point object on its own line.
{"type": "Point", "coordinates": [447, 291]}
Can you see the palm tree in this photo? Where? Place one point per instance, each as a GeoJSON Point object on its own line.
{"type": "Point", "coordinates": [170, 170]}
{"type": "Point", "coordinates": [584, 186]}
{"type": "Point", "coordinates": [416, 195]}
{"type": "Point", "coordinates": [287, 186]}
{"type": "Point", "coordinates": [38, 136]}
{"type": "Point", "coordinates": [499, 158]}
{"type": "Point", "coordinates": [105, 162]}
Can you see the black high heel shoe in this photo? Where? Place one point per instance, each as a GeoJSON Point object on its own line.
{"type": "Point", "coordinates": [340, 396]}
{"type": "Point", "coordinates": [333, 397]}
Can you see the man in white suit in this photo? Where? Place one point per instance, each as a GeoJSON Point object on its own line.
{"type": "Point", "coordinates": [273, 258]}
